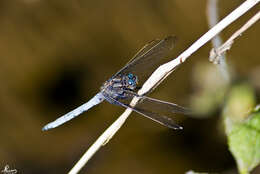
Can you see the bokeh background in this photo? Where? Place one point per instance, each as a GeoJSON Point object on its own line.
{"type": "Point", "coordinates": [54, 56]}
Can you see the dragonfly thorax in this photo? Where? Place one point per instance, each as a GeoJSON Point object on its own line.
{"type": "Point", "coordinates": [116, 87]}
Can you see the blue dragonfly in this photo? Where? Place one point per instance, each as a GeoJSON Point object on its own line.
{"type": "Point", "coordinates": [122, 87]}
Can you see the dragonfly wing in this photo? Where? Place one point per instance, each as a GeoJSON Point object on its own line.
{"type": "Point", "coordinates": [142, 51]}
{"type": "Point", "coordinates": [147, 59]}
{"type": "Point", "coordinates": [98, 98]}
{"type": "Point", "coordinates": [158, 105]}
{"type": "Point", "coordinates": [163, 120]}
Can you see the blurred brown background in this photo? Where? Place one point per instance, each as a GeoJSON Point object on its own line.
{"type": "Point", "coordinates": [54, 56]}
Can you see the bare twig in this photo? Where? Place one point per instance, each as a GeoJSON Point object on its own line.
{"type": "Point", "coordinates": [162, 72]}
{"type": "Point", "coordinates": [213, 18]}
{"type": "Point", "coordinates": [216, 53]}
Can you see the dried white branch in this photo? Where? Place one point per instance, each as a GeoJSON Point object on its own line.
{"type": "Point", "coordinates": [213, 18]}
{"type": "Point", "coordinates": [161, 73]}
{"type": "Point", "coordinates": [216, 53]}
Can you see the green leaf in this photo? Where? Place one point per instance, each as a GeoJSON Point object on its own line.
{"type": "Point", "coordinates": [242, 125]}
{"type": "Point", "coordinates": [244, 143]}
{"type": "Point", "coordinates": [240, 102]}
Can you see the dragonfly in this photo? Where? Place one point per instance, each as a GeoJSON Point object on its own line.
{"type": "Point", "coordinates": [122, 87]}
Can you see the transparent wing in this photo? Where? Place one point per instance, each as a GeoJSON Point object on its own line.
{"type": "Point", "coordinates": [166, 121]}
{"type": "Point", "coordinates": [142, 51]}
{"type": "Point", "coordinates": [98, 98]}
{"type": "Point", "coordinates": [147, 59]}
{"type": "Point", "coordinates": [159, 106]}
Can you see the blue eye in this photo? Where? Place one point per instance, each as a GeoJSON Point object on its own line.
{"type": "Point", "coordinates": [130, 82]}
{"type": "Point", "coordinates": [130, 76]}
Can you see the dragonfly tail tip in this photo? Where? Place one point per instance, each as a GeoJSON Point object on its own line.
{"type": "Point", "coordinates": [45, 128]}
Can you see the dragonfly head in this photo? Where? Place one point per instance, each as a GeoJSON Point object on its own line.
{"type": "Point", "coordinates": [131, 81]}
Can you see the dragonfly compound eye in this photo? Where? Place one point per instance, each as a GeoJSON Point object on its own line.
{"type": "Point", "coordinates": [130, 82]}
{"type": "Point", "coordinates": [130, 76]}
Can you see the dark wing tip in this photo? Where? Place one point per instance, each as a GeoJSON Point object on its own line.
{"type": "Point", "coordinates": [168, 122]}
{"type": "Point", "coordinates": [170, 41]}
{"type": "Point", "coordinates": [179, 128]}
{"type": "Point", "coordinates": [175, 126]}
{"type": "Point", "coordinates": [171, 37]}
